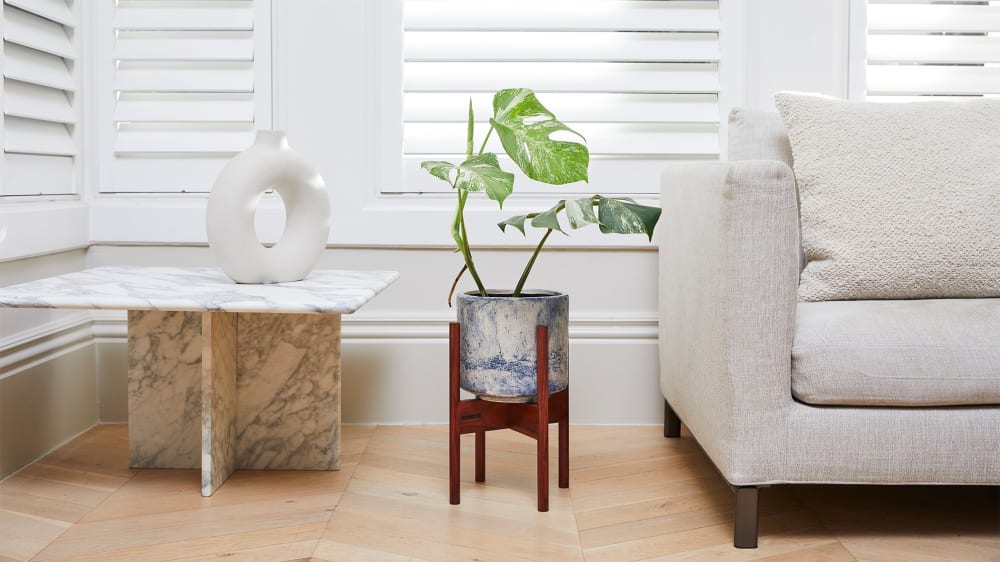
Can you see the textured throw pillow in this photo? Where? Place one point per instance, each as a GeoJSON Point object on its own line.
{"type": "Point", "coordinates": [898, 200]}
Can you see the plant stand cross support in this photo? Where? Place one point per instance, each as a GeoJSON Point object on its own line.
{"type": "Point", "coordinates": [531, 419]}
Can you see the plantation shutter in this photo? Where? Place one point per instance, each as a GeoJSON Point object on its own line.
{"type": "Point", "coordinates": [39, 91]}
{"type": "Point", "coordinates": [638, 78]}
{"type": "Point", "coordinates": [932, 48]}
{"type": "Point", "coordinates": [190, 86]}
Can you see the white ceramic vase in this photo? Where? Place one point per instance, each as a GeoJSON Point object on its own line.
{"type": "Point", "coordinates": [269, 164]}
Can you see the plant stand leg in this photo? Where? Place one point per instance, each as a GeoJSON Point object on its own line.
{"type": "Point", "coordinates": [564, 446]}
{"type": "Point", "coordinates": [481, 456]}
{"type": "Point", "coordinates": [542, 363]}
{"type": "Point", "coordinates": [454, 429]}
{"type": "Point", "coordinates": [671, 423]}
{"type": "Point", "coordinates": [745, 524]}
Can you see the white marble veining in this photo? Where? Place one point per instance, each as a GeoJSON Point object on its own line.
{"type": "Point", "coordinates": [218, 399]}
{"type": "Point", "coordinates": [164, 389]}
{"type": "Point", "coordinates": [288, 392]}
{"type": "Point", "coordinates": [287, 403]}
{"type": "Point", "coordinates": [197, 289]}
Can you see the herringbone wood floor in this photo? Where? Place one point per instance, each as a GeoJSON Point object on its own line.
{"type": "Point", "coordinates": [633, 495]}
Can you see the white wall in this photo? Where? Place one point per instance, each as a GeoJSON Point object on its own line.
{"type": "Point", "coordinates": [796, 45]}
{"type": "Point", "coordinates": [48, 384]}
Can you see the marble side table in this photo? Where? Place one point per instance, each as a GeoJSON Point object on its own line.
{"type": "Point", "coordinates": [221, 375]}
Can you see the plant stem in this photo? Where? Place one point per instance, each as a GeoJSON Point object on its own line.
{"type": "Point", "coordinates": [531, 262]}
{"type": "Point", "coordinates": [486, 138]}
{"type": "Point", "coordinates": [461, 237]}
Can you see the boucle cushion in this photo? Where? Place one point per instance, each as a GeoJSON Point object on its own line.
{"type": "Point", "coordinates": [898, 200]}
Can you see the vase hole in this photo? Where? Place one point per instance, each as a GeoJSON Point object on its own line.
{"type": "Point", "coordinates": [269, 218]}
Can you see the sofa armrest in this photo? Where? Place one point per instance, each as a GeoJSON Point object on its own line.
{"type": "Point", "coordinates": [729, 257]}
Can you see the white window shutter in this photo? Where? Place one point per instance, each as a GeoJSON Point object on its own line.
{"type": "Point", "coordinates": [638, 78]}
{"type": "Point", "coordinates": [191, 84]}
{"type": "Point", "coordinates": [40, 112]}
{"type": "Point", "coordinates": [929, 48]}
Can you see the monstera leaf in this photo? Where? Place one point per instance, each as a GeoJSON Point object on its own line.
{"type": "Point", "coordinates": [525, 128]}
{"type": "Point", "coordinates": [479, 173]}
{"type": "Point", "coordinates": [614, 215]}
{"type": "Point", "coordinates": [550, 218]}
{"type": "Point", "coordinates": [580, 212]}
{"type": "Point", "coordinates": [625, 216]}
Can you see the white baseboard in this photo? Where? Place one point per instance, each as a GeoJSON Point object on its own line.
{"type": "Point", "coordinates": [110, 325]}
{"type": "Point", "coordinates": [37, 345]}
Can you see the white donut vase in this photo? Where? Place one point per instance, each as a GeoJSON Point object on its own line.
{"type": "Point", "coordinates": [269, 164]}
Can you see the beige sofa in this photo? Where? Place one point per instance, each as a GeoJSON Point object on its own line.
{"type": "Point", "coordinates": [777, 391]}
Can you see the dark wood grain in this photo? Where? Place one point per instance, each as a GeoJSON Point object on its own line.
{"type": "Point", "coordinates": [454, 442]}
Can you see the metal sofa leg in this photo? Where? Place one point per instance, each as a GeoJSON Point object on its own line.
{"type": "Point", "coordinates": [745, 524]}
{"type": "Point", "coordinates": [671, 423]}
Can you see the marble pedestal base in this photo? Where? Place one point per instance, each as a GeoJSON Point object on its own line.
{"type": "Point", "coordinates": [221, 391]}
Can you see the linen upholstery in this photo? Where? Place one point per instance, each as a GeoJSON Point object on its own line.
{"type": "Point", "coordinates": [728, 282]}
{"type": "Point", "coordinates": [898, 201]}
{"type": "Point", "coordinates": [729, 245]}
{"type": "Point", "coordinates": [758, 135]}
{"type": "Point", "coordinates": [897, 353]}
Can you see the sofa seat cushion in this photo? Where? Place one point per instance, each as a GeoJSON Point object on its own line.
{"type": "Point", "coordinates": [940, 352]}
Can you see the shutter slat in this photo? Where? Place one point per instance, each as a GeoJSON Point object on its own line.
{"type": "Point", "coordinates": [165, 173]}
{"type": "Point", "coordinates": [954, 18]}
{"type": "Point", "coordinates": [36, 32]}
{"type": "Point", "coordinates": [937, 80]}
{"type": "Point", "coordinates": [638, 78]}
{"type": "Point", "coordinates": [575, 107]}
{"type": "Point", "coordinates": [55, 10]}
{"type": "Point", "coordinates": [922, 49]}
{"type": "Point", "coordinates": [193, 108]}
{"type": "Point", "coordinates": [29, 136]}
{"type": "Point", "coordinates": [561, 77]}
{"type": "Point", "coordinates": [182, 48]}
{"type": "Point", "coordinates": [173, 79]}
{"type": "Point", "coordinates": [139, 15]}
{"type": "Point", "coordinates": [602, 138]}
{"type": "Point", "coordinates": [580, 15]}
{"type": "Point", "coordinates": [560, 46]}
{"type": "Point", "coordinates": [28, 65]}
{"type": "Point", "coordinates": [34, 174]}
{"type": "Point", "coordinates": [185, 99]}
{"type": "Point", "coordinates": [182, 141]}
{"type": "Point", "coordinates": [37, 102]}
{"type": "Point", "coordinates": [936, 49]}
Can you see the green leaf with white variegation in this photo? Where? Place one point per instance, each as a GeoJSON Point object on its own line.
{"type": "Point", "coordinates": [550, 218]}
{"type": "Point", "coordinates": [483, 173]}
{"type": "Point", "coordinates": [525, 128]}
{"type": "Point", "coordinates": [580, 212]}
{"type": "Point", "coordinates": [439, 169]}
{"type": "Point", "coordinates": [624, 216]}
{"type": "Point", "coordinates": [517, 222]}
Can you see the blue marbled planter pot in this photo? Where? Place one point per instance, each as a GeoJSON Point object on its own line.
{"type": "Point", "coordinates": [498, 356]}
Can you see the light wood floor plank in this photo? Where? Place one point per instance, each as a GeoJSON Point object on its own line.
{"type": "Point", "coordinates": [222, 545]}
{"type": "Point", "coordinates": [23, 536]}
{"type": "Point", "coordinates": [634, 495]}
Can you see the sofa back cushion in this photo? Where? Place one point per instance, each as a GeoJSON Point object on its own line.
{"type": "Point", "coordinates": [758, 135]}
{"type": "Point", "coordinates": [897, 200]}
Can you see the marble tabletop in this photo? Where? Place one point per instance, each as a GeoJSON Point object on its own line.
{"type": "Point", "coordinates": [197, 289]}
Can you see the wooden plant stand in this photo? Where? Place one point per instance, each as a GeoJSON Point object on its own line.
{"type": "Point", "coordinates": [531, 419]}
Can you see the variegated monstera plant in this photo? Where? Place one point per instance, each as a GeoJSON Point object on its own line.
{"type": "Point", "coordinates": [525, 128]}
